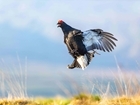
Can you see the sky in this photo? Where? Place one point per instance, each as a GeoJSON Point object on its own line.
{"type": "Point", "coordinates": [28, 30]}
{"type": "Point", "coordinates": [32, 44]}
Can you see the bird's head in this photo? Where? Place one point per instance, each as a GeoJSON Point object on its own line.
{"type": "Point", "coordinates": [60, 23]}
{"type": "Point", "coordinates": [65, 27]}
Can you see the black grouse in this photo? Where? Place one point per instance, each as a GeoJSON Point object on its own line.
{"type": "Point", "coordinates": [82, 45]}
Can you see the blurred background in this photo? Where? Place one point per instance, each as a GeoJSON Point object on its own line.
{"type": "Point", "coordinates": [31, 43]}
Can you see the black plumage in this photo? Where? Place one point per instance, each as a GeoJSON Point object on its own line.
{"type": "Point", "coordinates": [73, 39]}
{"type": "Point", "coordinates": [80, 43]}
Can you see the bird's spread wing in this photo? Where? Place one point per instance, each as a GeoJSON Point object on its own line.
{"type": "Point", "coordinates": [98, 39]}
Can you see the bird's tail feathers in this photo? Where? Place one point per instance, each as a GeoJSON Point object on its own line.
{"type": "Point", "coordinates": [84, 60]}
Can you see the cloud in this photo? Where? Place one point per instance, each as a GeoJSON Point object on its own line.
{"type": "Point", "coordinates": [118, 17]}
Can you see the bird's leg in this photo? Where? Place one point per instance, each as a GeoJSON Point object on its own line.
{"type": "Point", "coordinates": [90, 55]}
{"type": "Point", "coordinates": [74, 64]}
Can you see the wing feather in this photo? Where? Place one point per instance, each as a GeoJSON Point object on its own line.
{"type": "Point", "coordinates": [111, 41]}
{"type": "Point", "coordinates": [109, 36]}
{"type": "Point", "coordinates": [109, 45]}
{"type": "Point", "coordinates": [105, 45]}
{"type": "Point", "coordinates": [102, 46]}
{"type": "Point", "coordinates": [98, 39]}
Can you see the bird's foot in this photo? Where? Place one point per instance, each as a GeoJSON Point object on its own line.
{"type": "Point", "coordinates": [70, 67]}
{"type": "Point", "coordinates": [96, 52]}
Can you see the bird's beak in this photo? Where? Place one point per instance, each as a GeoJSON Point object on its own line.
{"type": "Point", "coordinates": [58, 25]}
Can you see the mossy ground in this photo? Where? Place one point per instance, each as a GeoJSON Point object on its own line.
{"type": "Point", "coordinates": [81, 99]}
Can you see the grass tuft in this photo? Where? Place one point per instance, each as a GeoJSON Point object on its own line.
{"type": "Point", "coordinates": [86, 97]}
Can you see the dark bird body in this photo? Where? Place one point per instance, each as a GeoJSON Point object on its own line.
{"type": "Point", "coordinates": [81, 45]}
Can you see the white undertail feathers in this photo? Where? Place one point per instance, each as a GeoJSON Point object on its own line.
{"type": "Point", "coordinates": [83, 61]}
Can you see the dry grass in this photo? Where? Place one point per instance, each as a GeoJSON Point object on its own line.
{"type": "Point", "coordinates": [17, 102]}
{"type": "Point", "coordinates": [124, 100]}
{"type": "Point", "coordinates": [126, 90]}
{"type": "Point", "coordinates": [80, 99]}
